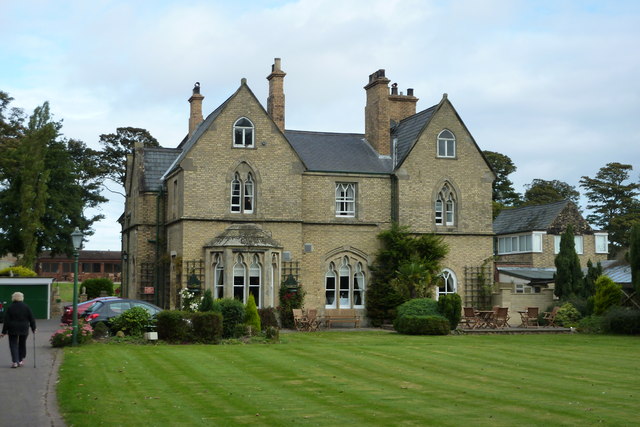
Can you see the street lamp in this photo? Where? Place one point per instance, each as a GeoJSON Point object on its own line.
{"type": "Point", "coordinates": [76, 239]}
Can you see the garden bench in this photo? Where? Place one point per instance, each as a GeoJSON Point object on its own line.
{"type": "Point", "coordinates": [341, 315]}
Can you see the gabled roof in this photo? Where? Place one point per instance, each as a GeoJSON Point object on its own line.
{"type": "Point", "coordinates": [408, 130]}
{"type": "Point", "coordinates": [156, 160]}
{"type": "Point", "coordinates": [528, 218]}
{"type": "Point", "coordinates": [337, 152]}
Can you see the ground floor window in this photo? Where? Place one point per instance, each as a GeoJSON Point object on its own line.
{"type": "Point", "coordinates": [447, 284]}
{"type": "Point", "coordinates": [345, 286]}
{"type": "Point", "coordinates": [218, 278]}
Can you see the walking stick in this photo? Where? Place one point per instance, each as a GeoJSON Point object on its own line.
{"type": "Point", "coordinates": [34, 349]}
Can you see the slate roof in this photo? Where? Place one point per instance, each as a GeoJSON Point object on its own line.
{"type": "Point", "coordinates": [337, 152]}
{"type": "Point", "coordinates": [408, 130]}
{"type": "Point", "coordinates": [618, 271]}
{"type": "Point", "coordinates": [528, 218]}
{"type": "Point", "coordinates": [84, 255]}
{"type": "Point", "coordinates": [156, 160]}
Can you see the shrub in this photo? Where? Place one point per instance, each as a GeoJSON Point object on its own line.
{"type": "Point", "coordinates": [608, 294]}
{"type": "Point", "coordinates": [100, 330]}
{"type": "Point", "coordinates": [591, 325]}
{"type": "Point", "coordinates": [622, 320]}
{"type": "Point", "coordinates": [172, 326]}
{"type": "Point", "coordinates": [382, 301]}
{"type": "Point", "coordinates": [422, 325]}
{"type": "Point", "coordinates": [582, 304]}
{"type": "Point", "coordinates": [251, 317]}
{"type": "Point", "coordinates": [232, 315]}
{"type": "Point", "coordinates": [268, 318]}
{"type": "Point", "coordinates": [272, 333]}
{"type": "Point", "coordinates": [290, 298]}
{"type": "Point", "coordinates": [95, 286]}
{"type": "Point", "coordinates": [450, 306]}
{"type": "Point", "coordinates": [18, 271]}
{"type": "Point", "coordinates": [417, 307]}
{"type": "Point", "coordinates": [207, 302]}
{"type": "Point", "coordinates": [567, 316]}
{"type": "Point", "coordinates": [133, 322]}
{"type": "Point", "coordinates": [207, 327]}
{"type": "Point", "coordinates": [189, 301]}
{"type": "Point", "coordinates": [64, 336]}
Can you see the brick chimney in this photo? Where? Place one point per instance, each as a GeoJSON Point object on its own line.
{"type": "Point", "coordinates": [382, 108]}
{"type": "Point", "coordinates": [275, 102]}
{"type": "Point", "coordinates": [195, 117]}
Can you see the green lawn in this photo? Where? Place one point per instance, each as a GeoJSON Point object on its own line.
{"type": "Point", "coordinates": [357, 378]}
{"type": "Point", "coordinates": [65, 290]}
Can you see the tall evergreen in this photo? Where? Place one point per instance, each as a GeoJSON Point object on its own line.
{"type": "Point", "coordinates": [589, 286]}
{"type": "Point", "coordinates": [568, 277]}
{"type": "Point", "coordinates": [634, 256]}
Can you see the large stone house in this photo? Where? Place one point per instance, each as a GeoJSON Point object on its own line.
{"type": "Point", "coordinates": [526, 244]}
{"type": "Point", "coordinates": [243, 203]}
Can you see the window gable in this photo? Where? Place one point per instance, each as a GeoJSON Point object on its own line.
{"type": "Point", "coordinates": [243, 133]}
{"type": "Point", "coordinates": [446, 144]}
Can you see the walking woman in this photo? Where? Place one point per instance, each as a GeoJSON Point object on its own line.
{"type": "Point", "coordinates": [17, 320]}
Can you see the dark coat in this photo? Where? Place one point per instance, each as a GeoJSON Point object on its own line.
{"type": "Point", "coordinates": [17, 319]}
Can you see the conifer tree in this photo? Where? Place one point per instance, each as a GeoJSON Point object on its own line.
{"type": "Point", "coordinates": [568, 277]}
{"type": "Point", "coordinates": [634, 256]}
{"type": "Point", "coordinates": [251, 317]}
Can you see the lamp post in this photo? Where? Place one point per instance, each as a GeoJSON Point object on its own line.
{"type": "Point", "coordinates": [76, 239]}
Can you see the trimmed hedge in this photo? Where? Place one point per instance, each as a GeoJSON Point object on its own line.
{"type": "Point", "coordinates": [172, 326]}
{"type": "Point", "coordinates": [268, 318]}
{"type": "Point", "coordinates": [232, 315]}
{"type": "Point", "coordinates": [450, 306]}
{"type": "Point", "coordinates": [422, 325]}
{"type": "Point", "coordinates": [95, 286]}
{"type": "Point", "coordinates": [417, 307]}
{"type": "Point", "coordinates": [622, 320]}
{"type": "Point", "coordinates": [184, 326]}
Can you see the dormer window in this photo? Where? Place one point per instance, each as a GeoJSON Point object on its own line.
{"type": "Point", "coordinates": [446, 144]}
{"type": "Point", "coordinates": [243, 133]}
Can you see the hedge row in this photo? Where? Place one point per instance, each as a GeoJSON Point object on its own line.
{"type": "Point", "coordinates": [181, 326]}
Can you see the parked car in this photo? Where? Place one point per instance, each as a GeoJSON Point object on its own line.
{"type": "Point", "coordinates": [82, 307]}
{"type": "Point", "coordinates": [104, 311]}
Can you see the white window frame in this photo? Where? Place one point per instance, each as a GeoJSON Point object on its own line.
{"type": "Point", "coordinates": [449, 277]}
{"type": "Point", "coordinates": [578, 242]}
{"type": "Point", "coordinates": [218, 277]}
{"type": "Point", "coordinates": [446, 144]}
{"type": "Point", "coordinates": [245, 132]}
{"type": "Point", "coordinates": [331, 291]}
{"type": "Point", "coordinates": [240, 271]}
{"type": "Point", "coordinates": [345, 199]}
{"type": "Point", "coordinates": [236, 194]}
{"type": "Point", "coordinates": [601, 243]}
{"type": "Point", "coordinates": [516, 244]}
{"type": "Point", "coordinates": [248, 194]}
{"type": "Point", "coordinates": [344, 284]}
{"type": "Point", "coordinates": [255, 280]}
{"type": "Point", "coordinates": [359, 287]}
{"type": "Point", "coordinates": [445, 206]}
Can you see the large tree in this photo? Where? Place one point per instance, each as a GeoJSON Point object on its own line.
{"type": "Point", "coordinates": [634, 256]}
{"type": "Point", "coordinates": [503, 192]}
{"type": "Point", "coordinates": [613, 201]}
{"type": "Point", "coordinates": [46, 183]}
{"type": "Point", "coordinates": [541, 192]}
{"type": "Point", "coordinates": [118, 145]}
{"type": "Point", "coordinates": [568, 278]}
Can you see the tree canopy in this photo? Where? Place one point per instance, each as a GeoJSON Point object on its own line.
{"type": "Point", "coordinates": [503, 192]}
{"type": "Point", "coordinates": [118, 145]}
{"type": "Point", "coordinates": [541, 192]}
{"type": "Point", "coordinates": [634, 256]}
{"type": "Point", "coordinates": [613, 201]}
{"type": "Point", "coordinates": [46, 182]}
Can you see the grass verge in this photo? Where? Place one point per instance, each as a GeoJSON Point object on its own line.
{"type": "Point", "coordinates": [357, 378]}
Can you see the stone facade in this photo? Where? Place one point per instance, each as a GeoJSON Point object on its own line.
{"type": "Point", "coordinates": [308, 204]}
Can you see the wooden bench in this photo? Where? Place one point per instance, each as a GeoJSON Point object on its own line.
{"type": "Point", "coordinates": [341, 315]}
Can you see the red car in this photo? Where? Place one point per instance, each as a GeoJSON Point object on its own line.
{"type": "Point", "coordinates": [82, 307]}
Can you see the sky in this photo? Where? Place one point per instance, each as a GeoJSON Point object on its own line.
{"type": "Point", "coordinates": [554, 85]}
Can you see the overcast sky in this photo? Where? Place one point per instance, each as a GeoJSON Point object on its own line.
{"type": "Point", "coordinates": [555, 85]}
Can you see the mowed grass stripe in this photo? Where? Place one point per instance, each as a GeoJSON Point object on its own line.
{"type": "Point", "coordinates": [361, 378]}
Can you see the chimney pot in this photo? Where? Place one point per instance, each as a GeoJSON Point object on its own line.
{"type": "Point", "coordinates": [410, 92]}
{"type": "Point", "coordinates": [394, 89]}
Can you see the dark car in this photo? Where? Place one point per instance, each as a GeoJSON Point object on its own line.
{"type": "Point", "coordinates": [104, 311]}
{"type": "Point", "coordinates": [82, 307]}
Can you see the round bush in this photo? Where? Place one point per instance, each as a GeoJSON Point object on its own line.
{"type": "Point", "coordinates": [172, 326]}
{"type": "Point", "coordinates": [422, 325]}
{"type": "Point", "coordinates": [207, 326]}
{"type": "Point", "coordinates": [132, 322]}
{"type": "Point", "coordinates": [567, 316]}
{"type": "Point", "coordinates": [95, 286]}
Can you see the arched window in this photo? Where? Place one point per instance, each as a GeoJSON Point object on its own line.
{"type": "Point", "coordinates": [445, 206]}
{"type": "Point", "coordinates": [236, 193]}
{"type": "Point", "coordinates": [446, 144]}
{"type": "Point", "coordinates": [243, 190]}
{"type": "Point", "coordinates": [346, 199]}
{"type": "Point", "coordinates": [330, 286]}
{"type": "Point", "coordinates": [358, 287]}
{"type": "Point", "coordinates": [255, 280]}
{"type": "Point", "coordinates": [243, 133]}
{"type": "Point", "coordinates": [218, 278]}
{"type": "Point", "coordinates": [239, 279]}
{"type": "Point", "coordinates": [345, 279]}
{"type": "Point", "coordinates": [447, 283]}
{"type": "Point", "coordinates": [248, 194]}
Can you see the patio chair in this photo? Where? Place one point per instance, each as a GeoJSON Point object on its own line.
{"type": "Point", "coordinates": [532, 316]}
{"type": "Point", "coordinates": [502, 317]}
{"type": "Point", "coordinates": [470, 318]}
{"type": "Point", "coordinates": [550, 316]}
{"type": "Point", "coordinates": [300, 320]}
{"type": "Point", "coordinates": [313, 322]}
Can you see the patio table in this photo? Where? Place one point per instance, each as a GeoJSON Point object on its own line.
{"type": "Point", "coordinates": [487, 317]}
